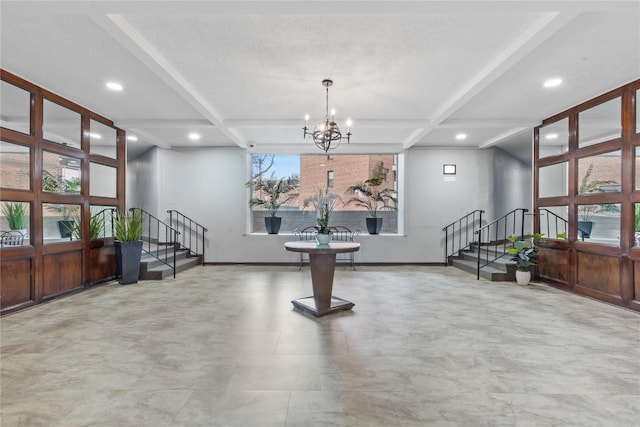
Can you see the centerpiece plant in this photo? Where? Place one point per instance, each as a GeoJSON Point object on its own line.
{"type": "Point", "coordinates": [324, 203]}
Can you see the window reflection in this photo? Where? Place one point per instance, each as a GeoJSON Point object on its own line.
{"type": "Point", "coordinates": [553, 221]}
{"type": "Point", "coordinates": [599, 223]}
{"type": "Point", "coordinates": [60, 222]}
{"type": "Point", "coordinates": [102, 139]}
{"type": "Point", "coordinates": [14, 223]}
{"type": "Point", "coordinates": [600, 123]}
{"type": "Point", "coordinates": [102, 180]}
{"type": "Point", "coordinates": [102, 221]}
{"type": "Point", "coordinates": [61, 125]}
{"type": "Point", "coordinates": [637, 177]}
{"type": "Point", "coordinates": [15, 104]}
{"type": "Point", "coordinates": [554, 138]}
{"type": "Point", "coordinates": [553, 180]}
{"type": "Point", "coordinates": [15, 170]}
{"type": "Point", "coordinates": [599, 174]}
{"type": "Point", "coordinates": [60, 174]}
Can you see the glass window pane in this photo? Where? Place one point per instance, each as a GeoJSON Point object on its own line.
{"type": "Point", "coordinates": [553, 180]}
{"type": "Point", "coordinates": [599, 223]}
{"type": "Point", "coordinates": [102, 221]}
{"type": "Point", "coordinates": [102, 180]}
{"type": "Point", "coordinates": [60, 174]}
{"type": "Point", "coordinates": [554, 222]}
{"type": "Point", "coordinates": [554, 138]}
{"type": "Point", "coordinates": [599, 174]}
{"type": "Point", "coordinates": [15, 170]}
{"type": "Point", "coordinates": [637, 177]}
{"type": "Point", "coordinates": [638, 111]}
{"type": "Point", "coordinates": [60, 222]}
{"type": "Point", "coordinates": [15, 226]}
{"type": "Point", "coordinates": [102, 139]}
{"type": "Point", "coordinates": [600, 123]}
{"type": "Point", "coordinates": [15, 104]}
{"type": "Point", "coordinates": [637, 224]}
{"type": "Point", "coordinates": [61, 125]}
{"type": "Point", "coordinates": [313, 172]}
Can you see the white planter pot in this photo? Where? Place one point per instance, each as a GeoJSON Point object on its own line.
{"type": "Point", "coordinates": [323, 239]}
{"type": "Point", "coordinates": [523, 277]}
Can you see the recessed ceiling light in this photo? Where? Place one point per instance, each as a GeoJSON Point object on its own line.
{"type": "Point", "coordinates": [132, 138]}
{"type": "Point", "coordinates": [95, 135]}
{"type": "Point", "coordinates": [194, 136]}
{"type": "Point", "coordinates": [551, 136]}
{"type": "Point", "coordinates": [116, 87]}
{"type": "Point", "coordinates": [461, 136]}
{"type": "Point", "coordinates": [552, 82]}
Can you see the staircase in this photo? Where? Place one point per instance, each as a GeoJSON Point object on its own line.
{"type": "Point", "coordinates": [501, 269]}
{"type": "Point", "coordinates": [170, 248]}
{"type": "Point", "coordinates": [152, 268]}
{"type": "Point", "coordinates": [479, 248]}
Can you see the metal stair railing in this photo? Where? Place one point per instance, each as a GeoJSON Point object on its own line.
{"type": "Point", "coordinates": [158, 233]}
{"type": "Point", "coordinates": [191, 233]}
{"type": "Point", "coordinates": [555, 220]}
{"type": "Point", "coordinates": [459, 235]}
{"type": "Point", "coordinates": [494, 234]}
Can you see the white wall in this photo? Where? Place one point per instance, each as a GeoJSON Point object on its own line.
{"type": "Point", "coordinates": [207, 184]}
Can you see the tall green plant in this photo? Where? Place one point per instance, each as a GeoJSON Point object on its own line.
{"type": "Point", "coordinates": [637, 216]}
{"type": "Point", "coordinates": [128, 228]}
{"type": "Point", "coordinates": [272, 193]}
{"type": "Point", "coordinates": [586, 187]}
{"type": "Point", "coordinates": [17, 215]}
{"type": "Point", "coordinates": [368, 195]}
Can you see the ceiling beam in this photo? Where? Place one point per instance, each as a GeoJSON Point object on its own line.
{"type": "Point", "coordinates": [543, 28]}
{"type": "Point", "coordinates": [124, 33]}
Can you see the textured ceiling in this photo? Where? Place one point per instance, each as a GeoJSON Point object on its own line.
{"type": "Point", "coordinates": [409, 73]}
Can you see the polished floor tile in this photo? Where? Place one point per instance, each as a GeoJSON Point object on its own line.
{"type": "Point", "coordinates": [223, 346]}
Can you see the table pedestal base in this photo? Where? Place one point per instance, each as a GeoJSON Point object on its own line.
{"type": "Point", "coordinates": [308, 304]}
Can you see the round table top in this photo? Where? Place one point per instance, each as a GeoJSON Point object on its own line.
{"type": "Point", "coordinates": [311, 247]}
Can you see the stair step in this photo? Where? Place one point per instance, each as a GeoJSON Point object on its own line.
{"type": "Point", "coordinates": [163, 271]}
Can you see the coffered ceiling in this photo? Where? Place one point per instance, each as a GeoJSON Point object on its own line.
{"type": "Point", "coordinates": [408, 73]}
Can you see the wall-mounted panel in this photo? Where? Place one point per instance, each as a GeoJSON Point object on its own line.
{"type": "Point", "coordinates": [17, 282]}
{"type": "Point", "coordinates": [553, 264]}
{"type": "Point", "coordinates": [62, 272]}
{"type": "Point", "coordinates": [600, 273]}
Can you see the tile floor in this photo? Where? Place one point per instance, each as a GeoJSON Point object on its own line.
{"type": "Point", "coordinates": [222, 346]}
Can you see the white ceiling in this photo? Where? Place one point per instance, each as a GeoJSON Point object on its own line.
{"type": "Point", "coordinates": [408, 73]}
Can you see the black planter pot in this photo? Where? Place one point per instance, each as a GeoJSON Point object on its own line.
{"type": "Point", "coordinates": [65, 227]}
{"type": "Point", "coordinates": [584, 229]}
{"type": "Point", "coordinates": [272, 223]}
{"type": "Point", "coordinates": [128, 255]}
{"type": "Point", "coordinates": [374, 225]}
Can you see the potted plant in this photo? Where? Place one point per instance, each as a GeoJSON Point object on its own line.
{"type": "Point", "coordinates": [17, 217]}
{"type": "Point", "coordinates": [271, 194]}
{"type": "Point", "coordinates": [96, 227]}
{"type": "Point", "coordinates": [323, 203]}
{"type": "Point", "coordinates": [525, 255]}
{"type": "Point", "coordinates": [127, 231]}
{"type": "Point", "coordinates": [585, 212]}
{"type": "Point", "coordinates": [373, 198]}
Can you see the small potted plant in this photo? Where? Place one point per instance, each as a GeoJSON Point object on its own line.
{"type": "Point", "coordinates": [127, 231]}
{"type": "Point", "coordinates": [525, 255]}
{"type": "Point", "coordinates": [323, 203]}
{"type": "Point", "coordinates": [17, 217]}
{"type": "Point", "coordinates": [271, 194]}
{"type": "Point", "coordinates": [371, 196]}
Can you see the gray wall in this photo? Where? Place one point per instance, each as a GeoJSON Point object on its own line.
{"type": "Point", "coordinates": [207, 184]}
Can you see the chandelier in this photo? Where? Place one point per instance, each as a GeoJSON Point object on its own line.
{"type": "Point", "coordinates": [326, 134]}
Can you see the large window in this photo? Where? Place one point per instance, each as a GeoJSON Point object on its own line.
{"type": "Point", "coordinates": [329, 173]}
